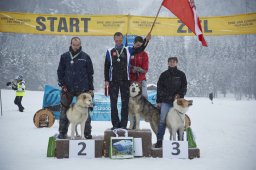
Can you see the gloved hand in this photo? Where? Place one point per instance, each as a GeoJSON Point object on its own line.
{"type": "Point", "coordinates": [14, 87]}
{"type": "Point", "coordinates": [8, 83]}
{"type": "Point", "coordinates": [148, 37]}
{"type": "Point", "coordinates": [138, 70]}
{"type": "Point", "coordinates": [134, 69]}
{"type": "Point", "coordinates": [177, 96]}
{"type": "Point", "coordinates": [64, 88]}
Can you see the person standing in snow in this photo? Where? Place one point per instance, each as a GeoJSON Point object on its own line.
{"type": "Point", "coordinates": [75, 76]}
{"type": "Point", "coordinates": [211, 97]}
{"type": "Point", "coordinates": [172, 83]}
{"type": "Point", "coordinates": [19, 85]}
{"type": "Point", "coordinates": [117, 77]}
{"type": "Point", "coordinates": [139, 66]}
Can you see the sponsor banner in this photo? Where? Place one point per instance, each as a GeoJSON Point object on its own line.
{"type": "Point", "coordinates": [101, 110]}
{"type": "Point", "coordinates": [62, 24]}
{"type": "Point", "coordinates": [107, 25]}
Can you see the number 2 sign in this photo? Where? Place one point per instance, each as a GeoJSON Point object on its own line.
{"type": "Point", "coordinates": [175, 149]}
{"type": "Point", "coordinates": [82, 149]}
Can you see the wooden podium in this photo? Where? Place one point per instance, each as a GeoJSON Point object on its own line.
{"type": "Point", "coordinates": [144, 134]}
{"type": "Point", "coordinates": [192, 153]}
{"type": "Point", "coordinates": [102, 145]}
{"type": "Point", "coordinates": [62, 147]}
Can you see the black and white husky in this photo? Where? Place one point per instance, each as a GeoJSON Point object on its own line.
{"type": "Point", "coordinates": [140, 106]}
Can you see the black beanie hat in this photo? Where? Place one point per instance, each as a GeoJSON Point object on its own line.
{"type": "Point", "coordinates": [138, 39]}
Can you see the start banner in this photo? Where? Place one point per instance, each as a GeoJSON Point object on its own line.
{"type": "Point", "coordinates": [107, 25]}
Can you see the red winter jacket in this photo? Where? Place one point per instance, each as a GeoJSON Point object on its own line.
{"type": "Point", "coordinates": [139, 60]}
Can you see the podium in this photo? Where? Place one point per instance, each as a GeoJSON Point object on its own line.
{"type": "Point", "coordinates": [192, 153]}
{"type": "Point", "coordinates": [102, 145]}
{"type": "Point", "coordinates": [62, 147]}
{"type": "Point", "coordinates": [144, 134]}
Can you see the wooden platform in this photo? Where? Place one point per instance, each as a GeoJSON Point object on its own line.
{"type": "Point", "coordinates": [192, 153]}
{"type": "Point", "coordinates": [62, 147]}
{"type": "Point", "coordinates": [145, 134]}
{"type": "Point", "coordinates": [102, 145]}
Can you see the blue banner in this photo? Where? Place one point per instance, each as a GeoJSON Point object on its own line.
{"type": "Point", "coordinates": [129, 40]}
{"type": "Point", "coordinates": [101, 110]}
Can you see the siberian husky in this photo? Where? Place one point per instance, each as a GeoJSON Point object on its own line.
{"type": "Point", "coordinates": [140, 106]}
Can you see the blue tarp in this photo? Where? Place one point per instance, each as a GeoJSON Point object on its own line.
{"type": "Point", "coordinates": [101, 109]}
{"type": "Point", "coordinates": [129, 41]}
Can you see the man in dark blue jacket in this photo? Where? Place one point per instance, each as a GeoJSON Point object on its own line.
{"type": "Point", "coordinates": [117, 77]}
{"type": "Point", "coordinates": [75, 76]}
{"type": "Point", "coordinates": [172, 83]}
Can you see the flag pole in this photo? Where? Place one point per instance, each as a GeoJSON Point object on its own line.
{"type": "Point", "coordinates": [128, 30]}
{"type": "Point", "coordinates": [1, 102]}
{"type": "Point", "coordinates": [155, 18]}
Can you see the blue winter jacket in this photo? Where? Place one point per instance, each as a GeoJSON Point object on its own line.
{"type": "Point", "coordinates": [76, 75]}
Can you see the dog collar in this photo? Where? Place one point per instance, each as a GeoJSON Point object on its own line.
{"type": "Point", "coordinates": [179, 114]}
{"type": "Point", "coordinates": [179, 111]}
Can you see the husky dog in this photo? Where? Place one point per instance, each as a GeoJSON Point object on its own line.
{"type": "Point", "coordinates": [175, 119]}
{"type": "Point", "coordinates": [78, 113]}
{"type": "Point", "coordinates": [140, 106]}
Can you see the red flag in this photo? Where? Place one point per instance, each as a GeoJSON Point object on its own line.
{"type": "Point", "coordinates": [185, 10]}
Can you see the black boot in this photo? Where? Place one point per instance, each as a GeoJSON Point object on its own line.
{"type": "Point", "coordinates": [88, 128]}
{"type": "Point", "coordinates": [62, 136]}
{"type": "Point", "coordinates": [89, 136]}
{"type": "Point", "coordinates": [159, 144]}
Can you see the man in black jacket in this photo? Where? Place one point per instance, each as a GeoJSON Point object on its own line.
{"type": "Point", "coordinates": [172, 83]}
{"type": "Point", "coordinates": [75, 76]}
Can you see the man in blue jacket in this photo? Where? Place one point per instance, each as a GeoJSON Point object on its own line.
{"type": "Point", "coordinates": [75, 76]}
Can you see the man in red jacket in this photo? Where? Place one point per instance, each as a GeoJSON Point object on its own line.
{"type": "Point", "coordinates": [139, 66]}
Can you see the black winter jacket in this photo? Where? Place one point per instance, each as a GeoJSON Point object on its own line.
{"type": "Point", "coordinates": [170, 83]}
{"type": "Point", "coordinates": [76, 75]}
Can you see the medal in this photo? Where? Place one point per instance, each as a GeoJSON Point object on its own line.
{"type": "Point", "coordinates": [73, 57]}
{"type": "Point", "coordinates": [118, 55]}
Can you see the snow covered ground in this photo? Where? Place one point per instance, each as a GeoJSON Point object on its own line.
{"type": "Point", "coordinates": [224, 133]}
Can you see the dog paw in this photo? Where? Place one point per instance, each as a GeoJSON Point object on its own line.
{"type": "Point", "coordinates": [72, 137]}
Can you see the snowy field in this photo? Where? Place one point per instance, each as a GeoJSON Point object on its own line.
{"type": "Point", "coordinates": [224, 133]}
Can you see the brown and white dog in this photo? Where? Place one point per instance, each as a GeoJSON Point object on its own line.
{"type": "Point", "coordinates": [78, 113]}
{"type": "Point", "coordinates": [175, 119]}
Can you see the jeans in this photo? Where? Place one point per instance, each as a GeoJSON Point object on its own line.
{"type": "Point", "coordinates": [165, 107]}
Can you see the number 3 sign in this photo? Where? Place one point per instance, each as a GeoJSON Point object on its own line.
{"type": "Point", "coordinates": [82, 149]}
{"type": "Point", "coordinates": [175, 149]}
